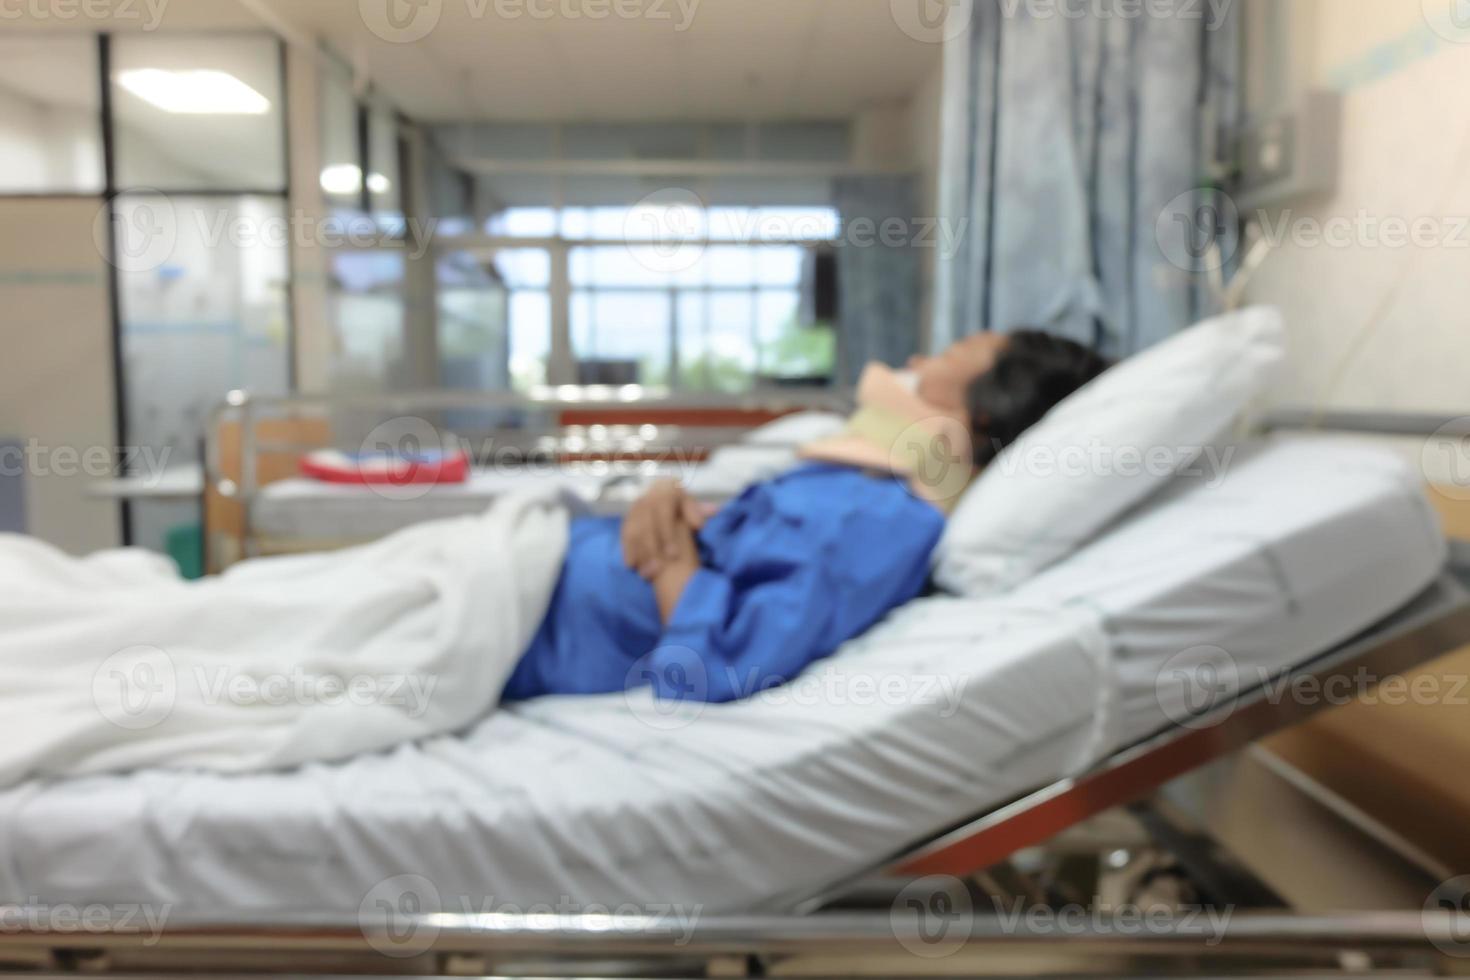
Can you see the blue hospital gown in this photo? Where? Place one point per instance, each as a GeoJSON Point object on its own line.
{"type": "Point", "coordinates": [789, 570]}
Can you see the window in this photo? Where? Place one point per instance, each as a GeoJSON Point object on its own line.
{"type": "Point", "coordinates": [632, 318]}
{"type": "Point", "coordinates": [524, 223]}
{"type": "Point", "coordinates": [473, 352]}
{"type": "Point", "coordinates": [366, 300]}
{"type": "Point", "coordinates": [718, 310]}
{"type": "Point", "coordinates": [50, 128]}
{"type": "Point", "coordinates": [526, 274]}
{"type": "Point", "coordinates": [621, 336]}
{"type": "Point", "coordinates": [472, 308]}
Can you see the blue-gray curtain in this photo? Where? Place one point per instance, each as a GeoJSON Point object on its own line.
{"type": "Point", "coordinates": [1066, 137]}
{"type": "Point", "coordinates": [877, 272]}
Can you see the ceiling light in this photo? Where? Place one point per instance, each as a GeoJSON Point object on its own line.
{"type": "Point", "coordinates": [199, 92]}
{"type": "Point", "coordinates": [342, 178]}
{"type": "Point", "coordinates": [346, 178]}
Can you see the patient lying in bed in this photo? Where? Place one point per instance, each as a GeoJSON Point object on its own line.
{"type": "Point", "coordinates": [742, 600]}
{"type": "Point", "coordinates": [111, 662]}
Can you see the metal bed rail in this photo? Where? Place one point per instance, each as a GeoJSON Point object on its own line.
{"type": "Point", "coordinates": [531, 432]}
{"type": "Point", "coordinates": [852, 944]}
{"type": "Point", "coordinates": [1367, 422]}
{"type": "Point", "coordinates": [244, 408]}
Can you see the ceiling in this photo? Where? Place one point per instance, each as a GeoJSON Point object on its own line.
{"type": "Point", "coordinates": [557, 59]}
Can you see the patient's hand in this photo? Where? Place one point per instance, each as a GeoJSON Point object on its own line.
{"type": "Point", "coordinates": [659, 529]}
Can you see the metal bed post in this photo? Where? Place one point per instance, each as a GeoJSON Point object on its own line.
{"type": "Point", "coordinates": [245, 405]}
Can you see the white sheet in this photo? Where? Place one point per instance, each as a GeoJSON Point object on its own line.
{"type": "Point", "coordinates": [301, 509]}
{"type": "Point", "coordinates": [112, 662]}
{"type": "Point", "coordinates": [576, 802]}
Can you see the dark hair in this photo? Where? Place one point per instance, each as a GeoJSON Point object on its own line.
{"type": "Point", "coordinates": [1034, 372]}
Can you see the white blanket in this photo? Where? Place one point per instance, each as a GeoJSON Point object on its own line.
{"type": "Point", "coordinates": [112, 662]}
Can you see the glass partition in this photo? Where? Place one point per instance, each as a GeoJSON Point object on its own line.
{"type": "Point", "coordinates": [198, 113]}
{"type": "Point", "coordinates": [203, 308]}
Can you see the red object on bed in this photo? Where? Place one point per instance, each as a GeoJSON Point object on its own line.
{"type": "Point", "coordinates": [378, 469]}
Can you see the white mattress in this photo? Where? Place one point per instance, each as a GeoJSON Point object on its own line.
{"type": "Point", "coordinates": [306, 510]}
{"type": "Point", "coordinates": [301, 509]}
{"type": "Point", "coordinates": [584, 802]}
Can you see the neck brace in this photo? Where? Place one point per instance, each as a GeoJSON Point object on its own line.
{"type": "Point", "coordinates": [896, 431]}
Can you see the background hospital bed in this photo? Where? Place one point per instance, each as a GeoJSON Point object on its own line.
{"type": "Point", "coordinates": [1359, 519]}
{"type": "Point", "coordinates": [599, 442]}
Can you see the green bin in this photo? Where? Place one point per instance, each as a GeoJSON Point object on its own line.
{"type": "Point", "coordinates": [185, 545]}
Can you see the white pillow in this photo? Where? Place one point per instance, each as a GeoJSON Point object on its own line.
{"type": "Point", "coordinates": [762, 453]}
{"type": "Point", "coordinates": [796, 429]}
{"type": "Point", "coordinates": [1106, 448]}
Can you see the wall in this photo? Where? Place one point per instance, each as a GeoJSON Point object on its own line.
{"type": "Point", "coordinates": [1293, 842]}
{"type": "Point", "coordinates": [53, 290]}
{"type": "Point", "coordinates": [314, 339]}
{"type": "Point", "coordinates": [46, 146]}
{"type": "Point", "coordinates": [1406, 133]}
{"type": "Point", "coordinates": [1379, 325]}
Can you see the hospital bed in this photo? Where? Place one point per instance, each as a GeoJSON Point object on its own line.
{"type": "Point", "coordinates": [600, 443]}
{"type": "Point", "coordinates": [1015, 718]}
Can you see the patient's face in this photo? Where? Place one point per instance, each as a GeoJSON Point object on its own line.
{"type": "Point", "coordinates": [943, 378]}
